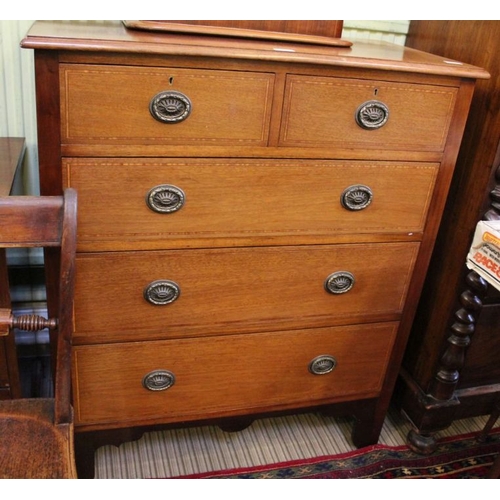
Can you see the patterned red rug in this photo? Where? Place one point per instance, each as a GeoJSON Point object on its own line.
{"type": "Point", "coordinates": [459, 457]}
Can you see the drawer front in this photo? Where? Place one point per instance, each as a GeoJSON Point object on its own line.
{"type": "Point", "coordinates": [346, 113]}
{"type": "Point", "coordinates": [158, 203]}
{"type": "Point", "coordinates": [198, 378]}
{"type": "Point", "coordinates": [126, 105]}
{"type": "Point", "coordinates": [157, 295]}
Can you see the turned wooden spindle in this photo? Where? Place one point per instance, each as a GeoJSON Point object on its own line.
{"type": "Point", "coordinates": [25, 322]}
{"type": "Point", "coordinates": [446, 379]}
{"type": "Point", "coordinates": [33, 322]}
{"type": "Point", "coordinates": [442, 389]}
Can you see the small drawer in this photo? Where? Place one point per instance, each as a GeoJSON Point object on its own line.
{"type": "Point", "coordinates": [168, 203]}
{"type": "Point", "coordinates": [197, 378]}
{"type": "Point", "coordinates": [150, 105]}
{"type": "Point", "coordinates": [347, 113]}
{"type": "Point", "coordinates": [125, 296]}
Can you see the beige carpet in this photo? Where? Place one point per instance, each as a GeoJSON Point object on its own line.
{"type": "Point", "coordinates": [187, 451]}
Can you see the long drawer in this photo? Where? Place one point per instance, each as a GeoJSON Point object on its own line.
{"type": "Point", "coordinates": [196, 378]}
{"type": "Point", "coordinates": [106, 104]}
{"type": "Point", "coordinates": [124, 296]}
{"type": "Point", "coordinates": [161, 203]}
{"type": "Point", "coordinates": [342, 112]}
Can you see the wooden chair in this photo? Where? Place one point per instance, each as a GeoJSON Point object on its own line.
{"type": "Point", "coordinates": [36, 435]}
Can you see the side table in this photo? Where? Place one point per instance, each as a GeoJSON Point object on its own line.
{"type": "Point", "coordinates": [11, 156]}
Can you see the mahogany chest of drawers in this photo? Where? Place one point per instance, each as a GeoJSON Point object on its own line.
{"type": "Point", "coordinates": [255, 217]}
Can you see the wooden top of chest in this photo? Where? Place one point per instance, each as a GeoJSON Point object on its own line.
{"type": "Point", "coordinates": [115, 37]}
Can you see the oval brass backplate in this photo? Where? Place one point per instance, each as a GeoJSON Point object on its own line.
{"type": "Point", "coordinates": [162, 292]}
{"type": "Point", "coordinates": [339, 282]}
{"type": "Point", "coordinates": [372, 115]}
{"type": "Point", "coordinates": [170, 107]}
{"type": "Point", "coordinates": [321, 365]}
{"type": "Point", "coordinates": [165, 198]}
{"type": "Point", "coordinates": [158, 380]}
{"type": "Point", "coordinates": [356, 197]}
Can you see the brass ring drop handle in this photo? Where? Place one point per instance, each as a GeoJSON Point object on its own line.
{"type": "Point", "coordinates": [170, 107]}
{"type": "Point", "coordinates": [339, 282]}
{"type": "Point", "coordinates": [372, 115]}
{"type": "Point", "coordinates": [158, 380]}
{"type": "Point", "coordinates": [356, 197]}
{"type": "Point", "coordinates": [321, 365]}
{"type": "Point", "coordinates": [165, 199]}
{"type": "Point", "coordinates": [161, 292]}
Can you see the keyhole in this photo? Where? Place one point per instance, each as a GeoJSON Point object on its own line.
{"type": "Point", "coordinates": [171, 80]}
{"type": "Point", "coordinates": [375, 92]}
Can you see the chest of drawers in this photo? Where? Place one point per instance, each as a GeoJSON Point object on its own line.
{"type": "Point", "coordinates": [255, 218]}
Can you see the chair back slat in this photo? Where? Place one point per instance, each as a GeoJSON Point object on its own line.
{"type": "Point", "coordinates": [30, 221]}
